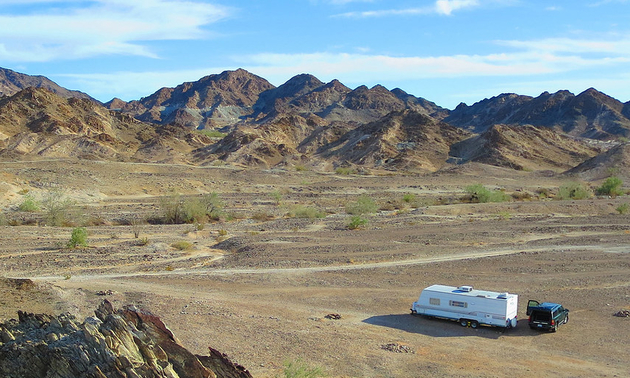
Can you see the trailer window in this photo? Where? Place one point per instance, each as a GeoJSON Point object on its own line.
{"type": "Point", "coordinates": [434, 301]}
{"type": "Point", "coordinates": [458, 304]}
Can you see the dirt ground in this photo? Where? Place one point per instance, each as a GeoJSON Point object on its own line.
{"type": "Point", "coordinates": [259, 284]}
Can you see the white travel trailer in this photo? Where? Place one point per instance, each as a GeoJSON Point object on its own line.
{"type": "Point", "coordinates": [467, 306]}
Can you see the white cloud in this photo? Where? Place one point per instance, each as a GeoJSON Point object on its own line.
{"type": "Point", "coordinates": [448, 6]}
{"type": "Point", "coordinates": [101, 27]}
{"type": "Point", "coordinates": [443, 7]}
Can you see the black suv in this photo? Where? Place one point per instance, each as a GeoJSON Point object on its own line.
{"type": "Point", "coordinates": [547, 316]}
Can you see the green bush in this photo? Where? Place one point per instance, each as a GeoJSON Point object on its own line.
{"type": "Point", "coordinates": [345, 171]}
{"type": "Point", "coordinates": [172, 208]}
{"type": "Point", "coordinates": [58, 208]}
{"type": "Point", "coordinates": [573, 190]}
{"type": "Point", "coordinates": [409, 198]}
{"type": "Point", "coordinates": [30, 204]}
{"type": "Point", "coordinates": [277, 197]}
{"type": "Point", "coordinates": [363, 205]}
{"type": "Point", "coordinates": [298, 369]}
{"type": "Point", "coordinates": [181, 245]}
{"type": "Point", "coordinates": [356, 222]}
{"type": "Point", "coordinates": [479, 193]}
{"type": "Point", "coordinates": [610, 187]}
{"type": "Point", "coordinates": [623, 208]}
{"type": "Point", "coordinates": [78, 238]}
{"type": "Point", "coordinates": [300, 211]}
{"type": "Point", "coordinates": [176, 210]}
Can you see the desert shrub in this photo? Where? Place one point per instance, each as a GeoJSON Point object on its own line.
{"type": "Point", "coordinates": [143, 241]}
{"type": "Point", "coordinates": [345, 171]}
{"type": "Point", "coordinates": [409, 198]}
{"type": "Point", "coordinates": [543, 192]}
{"type": "Point", "coordinates": [29, 204]}
{"type": "Point", "coordinates": [201, 209]}
{"type": "Point", "coordinates": [261, 216]}
{"type": "Point", "coordinates": [3, 219]}
{"type": "Point", "coordinates": [363, 205]}
{"type": "Point", "coordinates": [481, 194]}
{"type": "Point", "coordinates": [222, 232]}
{"type": "Point", "coordinates": [277, 197]}
{"type": "Point", "coordinates": [57, 208]}
{"type": "Point", "coordinates": [610, 187]}
{"type": "Point", "coordinates": [136, 226]}
{"type": "Point", "coordinates": [522, 196]}
{"type": "Point", "coordinates": [623, 208]}
{"type": "Point", "coordinates": [78, 238]}
{"type": "Point", "coordinates": [357, 221]}
{"type": "Point", "coordinates": [298, 369]}
{"type": "Point", "coordinates": [299, 211]}
{"type": "Point", "coordinates": [172, 208]}
{"type": "Point", "coordinates": [176, 210]}
{"type": "Point", "coordinates": [181, 245]}
{"type": "Point", "coordinates": [573, 190]}
{"type": "Point", "coordinates": [300, 168]}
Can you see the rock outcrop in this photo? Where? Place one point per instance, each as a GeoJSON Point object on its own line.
{"type": "Point", "coordinates": [125, 343]}
{"type": "Point", "coordinates": [12, 82]}
{"type": "Point", "coordinates": [590, 114]}
{"type": "Point", "coordinates": [38, 122]}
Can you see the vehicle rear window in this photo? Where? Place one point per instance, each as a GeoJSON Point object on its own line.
{"type": "Point", "coordinates": [541, 316]}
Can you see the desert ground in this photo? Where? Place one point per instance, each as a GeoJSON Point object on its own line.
{"type": "Point", "coordinates": [259, 284]}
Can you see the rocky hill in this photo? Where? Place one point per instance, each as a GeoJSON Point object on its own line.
{"type": "Point", "coordinates": [402, 140]}
{"type": "Point", "coordinates": [590, 114]}
{"type": "Point", "coordinates": [405, 139]}
{"type": "Point", "coordinates": [213, 101]}
{"type": "Point", "coordinates": [523, 147]}
{"type": "Point", "coordinates": [112, 344]}
{"type": "Point", "coordinates": [38, 122]}
{"type": "Point", "coordinates": [12, 82]}
{"type": "Point", "coordinates": [615, 161]}
{"type": "Point", "coordinates": [235, 97]}
{"type": "Point", "coordinates": [308, 122]}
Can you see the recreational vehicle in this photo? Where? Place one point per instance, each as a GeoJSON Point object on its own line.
{"type": "Point", "coordinates": [468, 306]}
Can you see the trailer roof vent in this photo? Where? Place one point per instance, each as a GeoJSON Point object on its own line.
{"type": "Point", "coordinates": [467, 289]}
{"type": "Point", "coordinates": [502, 296]}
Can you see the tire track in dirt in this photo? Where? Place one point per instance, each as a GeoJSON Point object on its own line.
{"type": "Point", "coordinates": [330, 268]}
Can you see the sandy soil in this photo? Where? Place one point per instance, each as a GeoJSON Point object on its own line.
{"type": "Point", "coordinates": [258, 287]}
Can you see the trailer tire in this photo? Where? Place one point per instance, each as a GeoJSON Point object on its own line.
{"type": "Point", "coordinates": [474, 324]}
{"type": "Point", "coordinates": [463, 322]}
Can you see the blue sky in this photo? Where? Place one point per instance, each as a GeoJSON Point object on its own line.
{"type": "Point", "coordinates": [447, 51]}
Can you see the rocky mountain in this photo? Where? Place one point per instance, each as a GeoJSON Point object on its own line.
{"type": "Point", "coordinates": [405, 139]}
{"type": "Point", "coordinates": [236, 97]}
{"type": "Point", "coordinates": [305, 95]}
{"type": "Point", "coordinates": [211, 102]}
{"type": "Point", "coordinates": [590, 114]}
{"type": "Point", "coordinates": [402, 140]}
{"type": "Point", "coordinates": [615, 161]}
{"type": "Point", "coordinates": [523, 147]}
{"type": "Point", "coordinates": [12, 82]}
{"type": "Point", "coordinates": [38, 122]}
{"type": "Point", "coordinates": [112, 344]}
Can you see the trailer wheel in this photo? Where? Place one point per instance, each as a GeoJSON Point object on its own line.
{"type": "Point", "coordinates": [463, 322]}
{"type": "Point", "coordinates": [474, 324]}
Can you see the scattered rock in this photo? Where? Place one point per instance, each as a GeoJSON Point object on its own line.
{"type": "Point", "coordinates": [105, 292]}
{"type": "Point", "coordinates": [333, 316]}
{"type": "Point", "coordinates": [397, 348]}
{"type": "Point", "coordinates": [623, 314]}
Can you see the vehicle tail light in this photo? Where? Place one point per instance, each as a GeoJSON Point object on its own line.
{"type": "Point", "coordinates": [529, 319]}
{"type": "Point", "coordinates": [553, 322]}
